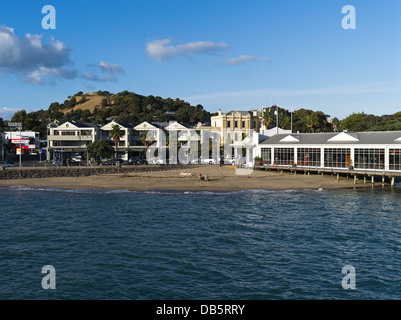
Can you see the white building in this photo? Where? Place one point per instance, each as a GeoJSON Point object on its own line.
{"type": "Point", "coordinates": [125, 141]}
{"type": "Point", "coordinates": [359, 151]}
{"type": "Point", "coordinates": [28, 140]}
{"type": "Point", "coordinates": [70, 138]}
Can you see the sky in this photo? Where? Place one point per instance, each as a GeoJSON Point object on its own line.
{"type": "Point", "coordinates": [228, 55]}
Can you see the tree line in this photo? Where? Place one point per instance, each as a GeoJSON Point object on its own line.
{"type": "Point", "coordinates": [304, 120]}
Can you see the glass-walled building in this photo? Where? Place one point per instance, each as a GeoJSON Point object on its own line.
{"type": "Point", "coordinates": [359, 151]}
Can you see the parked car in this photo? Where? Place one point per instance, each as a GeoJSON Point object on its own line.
{"type": "Point", "coordinates": [76, 158]}
{"type": "Point", "coordinates": [60, 162]}
{"type": "Point", "coordinates": [157, 161]}
{"type": "Point", "coordinates": [194, 161]}
{"type": "Point", "coordinates": [208, 161]}
{"type": "Point", "coordinates": [111, 162]}
{"type": "Point", "coordinates": [230, 161]}
{"type": "Point", "coordinates": [6, 164]}
{"type": "Point", "coordinates": [137, 161]}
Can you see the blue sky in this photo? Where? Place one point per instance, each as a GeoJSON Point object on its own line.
{"type": "Point", "coordinates": [228, 55]}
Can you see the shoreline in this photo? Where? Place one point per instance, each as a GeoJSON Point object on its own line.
{"type": "Point", "coordinates": [222, 179]}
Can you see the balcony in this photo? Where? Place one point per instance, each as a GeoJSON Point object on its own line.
{"type": "Point", "coordinates": [69, 138]}
{"type": "Point", "coordinates": [187, 137]}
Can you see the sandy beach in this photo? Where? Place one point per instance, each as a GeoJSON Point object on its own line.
{"type": "Point", "coordinates": [221, 179]}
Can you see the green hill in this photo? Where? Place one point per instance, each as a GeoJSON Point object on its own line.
{"type": "Point", "coordinates": [101, 106]}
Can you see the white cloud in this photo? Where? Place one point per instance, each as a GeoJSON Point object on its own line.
{"type": "Point", "coordinates": [104, 72]}
{"type": "Point", "coordinates": [244, 58]}
{"type": "Point", "coordinates": [50, 74]}
{"type": "Point", "coordinates": [34, 60]}
{"type": "Point", "coordinates": [160, 50]}
{"type": "Point", "coordinates": [111, 68]}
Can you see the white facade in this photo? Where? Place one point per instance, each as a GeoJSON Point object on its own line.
{"type": "Point", "coordinates": [70, 137]}
{"type": "Point", "coordinates": [125, 141]}
{"type": "Point", "coordinates": [364, 151]}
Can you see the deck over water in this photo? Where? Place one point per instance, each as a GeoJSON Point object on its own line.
{"type": "Point", "coordinates": [356, 173]}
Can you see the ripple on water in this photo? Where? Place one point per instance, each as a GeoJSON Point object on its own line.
{"type": "Point", "coordinates": [200, 245]}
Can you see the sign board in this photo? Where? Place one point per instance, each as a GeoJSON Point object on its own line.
{"type": "Point", "coordinates": [19, 151]}
{"type": "Point", "coordinates": [15, 124]}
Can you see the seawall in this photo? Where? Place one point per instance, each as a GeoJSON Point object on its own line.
{"type": "Point", "coordinates": [48, 172]}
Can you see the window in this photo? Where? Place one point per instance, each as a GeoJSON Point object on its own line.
{"type": "Point", "coordinates": [236, 124]}
{"type": "Point", "coordinates": [228, 124]}
{"type": "Point", "coordinates": [369, 158]}
{"type": "Point", "coordinates": [395, 159]}
{"type": "Point", "coordinates": [266, 154]}
{"type": "Point", "coordinates": [243, 124]}
{"type": "Point", "coordinates": [309, 157]}
{"type": "Point", "coordinates": [68, 133]}
{"type": "Point", "coordinates": [337, 157]}
{"type": "Point", "coordinates": [283, 156]}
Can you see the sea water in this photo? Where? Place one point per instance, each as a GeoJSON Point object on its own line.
{"type": "Point", "coordinates": [200, 245]}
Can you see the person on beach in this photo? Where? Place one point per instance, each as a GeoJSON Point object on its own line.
{"type": "Point", "coordinates": [206, 178]}
{"type": "Point", "coordinates": [200, 176]}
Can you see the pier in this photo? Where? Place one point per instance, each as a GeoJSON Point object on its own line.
{"type": "Point", "coordinates": [367, 176]}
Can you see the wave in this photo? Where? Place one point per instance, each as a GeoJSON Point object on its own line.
{"type": "Point", "coordinates": [21, 188]}
{"type": "Point", "coordinates": [158, 192]}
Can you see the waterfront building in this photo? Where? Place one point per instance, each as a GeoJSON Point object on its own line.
{"type": "Point", "coordinates": [69, 138]}
{"type": "Point", "coordinates": [234, 127]}
{"type": "Point", "coordinates": [27, 140]}
{"type": "Point", "coordinates": [359, 151]}
{"type": "Point", "coordinates": [125, 143]}
{"type": "Point", "coordinates": [153, 135]}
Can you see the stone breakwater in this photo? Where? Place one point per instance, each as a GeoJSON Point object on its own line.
{"type": "Point", "coordinates": [46, 172]}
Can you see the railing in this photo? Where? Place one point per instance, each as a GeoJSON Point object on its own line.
{"type": "Point", "coordinates": [350, 170]}
{"type": "Point", "coordinates": [70, 138]}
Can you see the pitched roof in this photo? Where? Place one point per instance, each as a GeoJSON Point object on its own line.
{"type": "Point", "coordinates": [244, 113]}
{"type": "Point", "coordinates": [354, 138]}
{"type": "Point", "coordinates": [121, 124]}
{"type": "Point", "coordinates": [81, 124]}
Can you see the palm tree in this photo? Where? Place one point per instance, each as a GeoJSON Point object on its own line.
{"type": "Point", "coordinates": [116, 134]}
{"type": "Point", "coordinates": [284, 120]}
{"type": "Point", "coordinates": [267, 118]}
{"type": "Point", "coordinates": [312, 122]}
{"type": "Point", "coordinates": [146, 139]}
